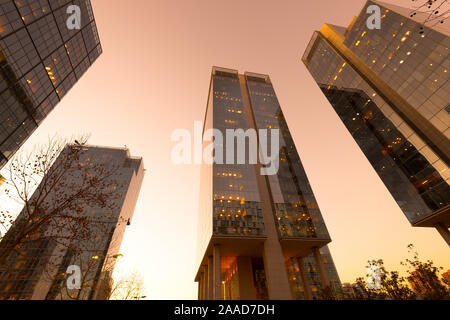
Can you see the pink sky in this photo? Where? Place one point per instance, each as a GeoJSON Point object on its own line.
{"type": "Point", "coordinates": [153, 78]}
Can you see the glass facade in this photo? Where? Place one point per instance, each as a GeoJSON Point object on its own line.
{"type": "Point", "coordinates": [238, 205]}
{"type": "Point", "coordinates": [312, 275]}
{"type": "Point", "coordinates": [40, 61]}
{"type": "Point", "coordinates": [414, 65]}
{"type": "Point", "coordinates": [237, 209]}
{"type": "Point", "coordinates": [37, 268]}
{"type": "Point", "coordinates": [297, 212]}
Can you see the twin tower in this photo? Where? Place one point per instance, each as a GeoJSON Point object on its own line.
{"type": "Point", "coordinates": [260, 236]}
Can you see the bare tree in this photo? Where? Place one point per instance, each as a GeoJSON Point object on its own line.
{"type": "Point", "coordinates": [423, 281]}
{"type": "Point", "coordinates": [96, 269]}
{"type": "Point", "coordinates": [432, 12]}
{"type": "Point", "coordinates": [95, 279]}
{"type": "Point", "coordinates": [55, 185]}
{"type": "Point", "coordinates": [128, 287]}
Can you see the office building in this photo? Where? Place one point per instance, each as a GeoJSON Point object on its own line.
{"type": "Point", "coordinates": [391, 89]}
{"type": "Point", "coordinates": [260, 236]}
{"type": "Point", "coordinates": [86, 235]}
{"type": "Point", "coordinates": [41, 59]}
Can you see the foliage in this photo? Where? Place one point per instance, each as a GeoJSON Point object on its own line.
{"type": "Point", "coordinates": [128, 287]}
{"type": "Point", "coordinates": [392, 285]}
{"type": "Point", "coordinates": [425, 279]}
{"type": "Point", "coordinates": [423, 282]}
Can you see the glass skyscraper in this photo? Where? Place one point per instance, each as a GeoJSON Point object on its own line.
{"type": "Point", "coordinates": [40, 61]}
{"type": "Point", "coordinates": [391, 89]}
{"type": "Point", "coordinates": [37, 267]}
{"type": "Point", "coordinates": [260, 236]}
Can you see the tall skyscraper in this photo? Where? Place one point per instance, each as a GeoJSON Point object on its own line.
{"type": "Point", "coordinates": [260, 236]}
{"type": "Point", "coordinates": [390, 87]}
{"type": "Point", "coordinates": [38, 267]}
{"type": "Point", "coordinates": [40, 61]}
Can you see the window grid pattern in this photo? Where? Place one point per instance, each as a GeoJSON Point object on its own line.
{"type": "Point", "coordinates": [415, 176]}
{"type": "Point", "coordinates": [9, 18]}
{"type": "Point", "coordinates": [415, 64]}
{"type": "Point", "coordinates": [296, 209]}
{"type": "Point", "coordinates": [313, 278]}
{"type": "Point", "coordinates": [237, 209]}
{"type": "Point", "coordinates": [40, 61]}
{"type": "Point", "coordinates": [31, 10]}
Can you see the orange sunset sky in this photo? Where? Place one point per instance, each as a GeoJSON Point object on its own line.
{"type": "Point", "coordinates": [153, 78]}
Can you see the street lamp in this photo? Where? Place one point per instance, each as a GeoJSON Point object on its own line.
{"type": "Point", "coordinates": [96, 257]}
{"type": "Point", "coordinates": [99, 256]}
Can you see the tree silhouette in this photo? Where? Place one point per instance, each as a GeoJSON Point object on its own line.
{"type": "Point", "coordinates": [391, 285]}
{"type": "Point", "coordinates": [432, 12]}
{"type": "Point", "coordinates": [424, 278]}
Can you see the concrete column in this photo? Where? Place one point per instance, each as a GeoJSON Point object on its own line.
{"type": "Point", "coordinates": [210, 278]}
{"type": "Point", "coordinates": [275, 268]}
{"type": "Point", "coordinates": [320, 265]}
{"type": "Point", "coordinates": [304, 278]}
{"type": "Point", "coordinates": [443, 231]}
{"type": "Point", "coordinates": [245, 274]}
{"type": "Point", "coordinates": [205, 285]}
{"type": "Point", "coordinates": [217, 282]}
{"type": "Point", "coordinates": [205, 282]}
